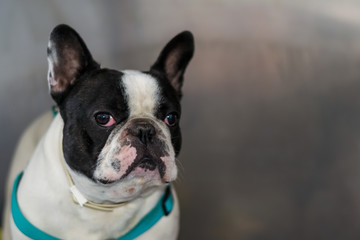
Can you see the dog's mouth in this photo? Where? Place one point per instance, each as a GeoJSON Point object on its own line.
{"type": "Point", "coordinates": [144, 165]}
{"type": "Point", "coordinates": [147, 164]}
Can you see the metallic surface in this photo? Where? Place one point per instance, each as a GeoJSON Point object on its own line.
{"type": "Point", "coordinates": [271, 106]}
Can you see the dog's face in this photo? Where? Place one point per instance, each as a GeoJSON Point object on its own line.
{"type": "Point", "coordinates": [121, 128]}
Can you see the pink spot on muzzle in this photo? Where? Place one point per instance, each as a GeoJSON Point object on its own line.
{"type": "Point", "coordinates": [170, 167]}
{"type": "Point", "coordinates": [127, 153]}
{"type": "Point", "coordinates": [120, 163]}
{"type": "Point", "coordinates": [126, 157]}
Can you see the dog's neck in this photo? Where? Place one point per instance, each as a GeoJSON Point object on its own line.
{"type": "Point", "coordinates": [45, 199]}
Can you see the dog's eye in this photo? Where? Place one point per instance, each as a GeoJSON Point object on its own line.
{"type": "Point", "coordinates": [104, 119]}
{"type": "Point", "coordinates": [171, 119]}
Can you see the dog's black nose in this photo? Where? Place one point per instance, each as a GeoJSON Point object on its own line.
{"type": "Point", "coordinates": [145, 132]}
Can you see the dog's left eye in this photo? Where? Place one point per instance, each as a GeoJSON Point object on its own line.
{"type": "Point", "coordinates": [104, 119]}
{"type": "Point", "coordinates": [171, 119]}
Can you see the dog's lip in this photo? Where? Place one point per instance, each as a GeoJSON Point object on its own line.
{"type": "Point", "coordinates": [106, 181]}
{"type": "Point", "coordinates": [145, 166]}
{"type": "Point", "coordinates": [147, 163]}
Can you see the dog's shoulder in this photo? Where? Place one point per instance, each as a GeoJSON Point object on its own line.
{"type": "Point", "coordinates": [24, 150]}
{"type": "Point", "coordinates": [28, 143]}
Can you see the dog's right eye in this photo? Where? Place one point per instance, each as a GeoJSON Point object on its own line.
{"type": "Point", "coordinates": [104, 119]}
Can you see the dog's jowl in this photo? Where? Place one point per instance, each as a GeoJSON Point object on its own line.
{"type": "Point", "coordinates": [104, 164]}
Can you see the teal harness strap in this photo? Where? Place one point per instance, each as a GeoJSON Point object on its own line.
{"type": "Point", "coordinates": [162, 208]}
{"type": "Point", "coordinates": [54, 110]}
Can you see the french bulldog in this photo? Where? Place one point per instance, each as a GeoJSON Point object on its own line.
{"type": "Point", "coordinates": [102, 167]}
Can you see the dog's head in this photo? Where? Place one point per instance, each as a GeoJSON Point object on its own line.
{"type": "Point", "coordinates": [121, 128]}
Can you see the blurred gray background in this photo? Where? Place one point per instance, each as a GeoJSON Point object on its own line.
{"type": "Point", "coordinates": [271, 107]}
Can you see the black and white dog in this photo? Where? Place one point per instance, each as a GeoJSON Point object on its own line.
{"type": "Point", "coordinates": [102, 169]}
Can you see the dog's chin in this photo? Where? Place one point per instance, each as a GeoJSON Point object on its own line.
{"type": "Point", "coordinates": [139, 182]}
{"type": "Point", "coordinates": [145, 175]}
{"type": "Point", "coordinates": [138, 174]}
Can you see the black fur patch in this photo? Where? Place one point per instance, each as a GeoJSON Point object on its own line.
{"type": "Point", "coordinates": [98, 91]}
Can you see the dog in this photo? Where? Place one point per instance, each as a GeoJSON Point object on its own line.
{"type": "Point", "coordinates": [104, 165]}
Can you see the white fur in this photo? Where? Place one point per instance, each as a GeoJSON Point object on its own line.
{"type": "Point", "coordinates": [142, 93]}
{"type": "Point", "coordinates": [45, 199]}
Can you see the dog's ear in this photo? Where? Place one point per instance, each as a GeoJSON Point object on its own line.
{"type": "Point", "coordinates": [174, 58]}
{"type": "Point", "coordinates": [68, 58]}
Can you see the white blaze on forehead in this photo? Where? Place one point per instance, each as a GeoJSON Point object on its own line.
{"type": "Point", "coordinates": [142, 92]}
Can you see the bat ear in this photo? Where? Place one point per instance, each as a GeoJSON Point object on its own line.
{"type": "Point", "coordinates": [174, 59]}
{"type": "Point", "coordinates": [68, 58]}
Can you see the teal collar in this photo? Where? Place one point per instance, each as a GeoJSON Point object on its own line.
{"type": "Point", "coordinates": [161, 209]}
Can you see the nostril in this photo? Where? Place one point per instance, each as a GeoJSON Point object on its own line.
{"type": "Point", "coordinates": [145, 133]}
{"type": "Point", "coordinates": [144, 136]}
